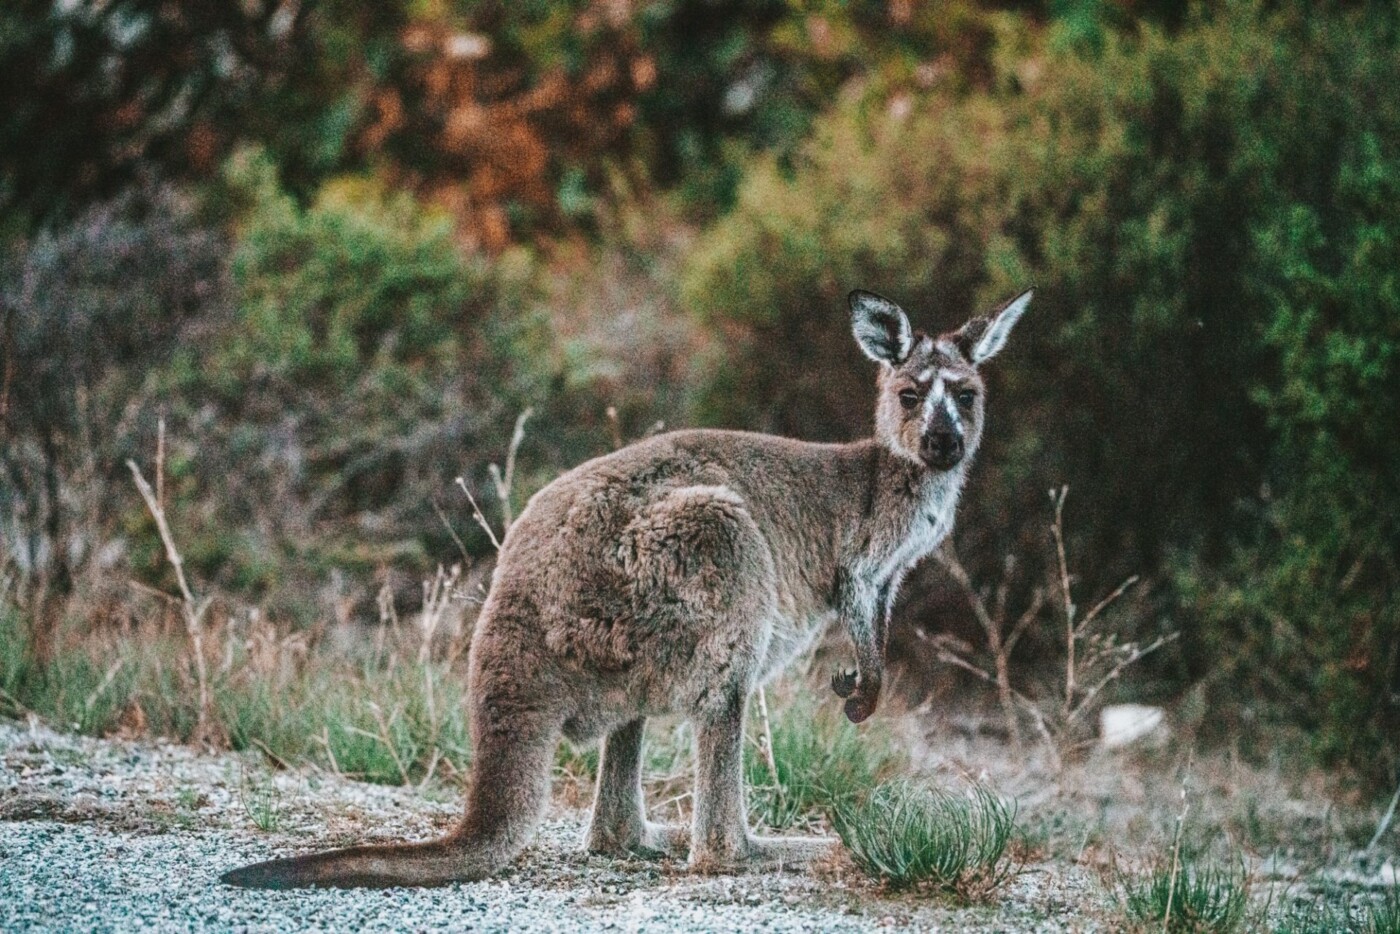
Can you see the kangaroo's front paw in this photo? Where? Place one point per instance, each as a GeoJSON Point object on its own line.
{"type": "Point", "coordinates": [843, 683]}
{"type": "Point", "coordinates": [863, 700]}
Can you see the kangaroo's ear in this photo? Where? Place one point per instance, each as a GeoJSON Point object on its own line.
{"type": "Point", "coordinates": [881, 328]}
{"type": "Point", "coordinates": [982, 338]}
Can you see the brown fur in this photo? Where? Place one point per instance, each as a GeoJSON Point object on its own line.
{"type": "Point", "coordinates": [673, 576]}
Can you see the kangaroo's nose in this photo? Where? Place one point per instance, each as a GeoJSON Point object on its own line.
{"type": "Point", "coordinates": [942, 449]}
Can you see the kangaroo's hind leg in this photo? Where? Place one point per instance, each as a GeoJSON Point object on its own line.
{"type": "Point", "coordinates": [701, 563]}
{"type": "Point", "coordinates": [721, 840]}
{"type": "Point", "coordinates": [619, 826]}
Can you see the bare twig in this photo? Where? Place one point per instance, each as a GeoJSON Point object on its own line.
{"type": "Point", "coordinates": [993, 626]}
{"type": "Point", "coordinates": [478, 514]}
{"type": "Point", "coordinates": [160, 461]}
{"type": "Point", "coordinates": [447, 524]}
{"type": "Point", "coordinates": [437, 596]}
{"type": "Point", "coordinates": [325, 740]}
{"type": "Point", "coordinates": [1176, 854]}
{"type": "Point", "coordinates": [1093, 659]}
{"type": "Point", "coordinates": [767, 743]}
{"type": "Point", "coordinates": [1385, 821]}
{"type": "Point", "coordinates": [1057, 529]}
{"type": "Point", "coordinates": [1029, 616]}
{"type": "Point", "coordinates": [106, 683]}
{"type": "Point", "coordinates": [150, 591]}
{"type": "Point", "coordinates": [191, 609]}
{"type": "Point", "coordinates": [277, 761]}
{"type": "Point", "coordinates": [504, 481]}
{"type": "Point", "coordinates": [388, 740]}
{"type": "Point", "coordinates": [1106, 602]}
{"type": "Point", "coordinates": [1136, 654]}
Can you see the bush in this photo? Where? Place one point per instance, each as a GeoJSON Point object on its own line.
{"type": "Point", "coordinates": [364, 367]}
{"type": "Point", "coordinates": [87, 311]}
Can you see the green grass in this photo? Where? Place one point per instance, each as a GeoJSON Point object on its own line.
{"type": "Point", "coordinates": [1341, 913]}
{"type": "Point", "coordinates": [820, 757]}
{"type": "Point", "coordinates": [261, 801]}
{"type": "Point", "coordinates": [383, 717]}
{"type": "Point", "coordinates": [908, 835]}
{"type": "Point", "coordinates": [1188, 896]}
{"type": "Point", "coordinates": [380, 714]}
{"type": "Point", "coordinates": [1383, 917]}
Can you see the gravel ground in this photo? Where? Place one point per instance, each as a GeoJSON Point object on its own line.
{"type": "Point", "coordinates": [108, 835]}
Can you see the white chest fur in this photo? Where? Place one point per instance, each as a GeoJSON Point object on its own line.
{"type": "Point", "coordinates": [925, 530]}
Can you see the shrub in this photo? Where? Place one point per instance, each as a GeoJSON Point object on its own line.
{"type": "Point", "coordinates": [87, 311]}
{"type": "Point", "coordinates": [907, 835]}
{"type": "Point", "coordinates": [363, 367]}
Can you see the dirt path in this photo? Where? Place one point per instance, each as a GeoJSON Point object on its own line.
{"type": "Point", "coordinates": [107, 835]}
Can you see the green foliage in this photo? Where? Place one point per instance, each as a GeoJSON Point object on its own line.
{"type": "Point", "coordinates": [102, 96]}
{"type": "Point", "coordinates": [15, 660]}
{"type": "Point", "coordinates": [363, 365]}
{"type": "Point", "coordinates": [782, 262]}
{"type": "Point", "coordinates": [1383, 917]}
{"type": "Point", "coordinates": [820, 757]}
{"type": "Point", "coordinates": [1187, 897]}
{"type": "Point", "coordinates": [1323, 916]}
{"type": "Point", "coordinates": [907, 835]}
{"type": "Point", "coordinates": [86, 312]}
{"type": "Point", "coordinates": [363, 279]}
{"type": "Point", "coordinates": [386, 720]}
{"type": "Point", "coordinates": [1308, 607]}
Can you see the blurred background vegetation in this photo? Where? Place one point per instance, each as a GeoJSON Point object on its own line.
{"type": "Point", "coordinates": [339, 246]}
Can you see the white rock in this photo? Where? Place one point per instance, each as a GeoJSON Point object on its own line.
{"type": "Point", "coordinates": [1123, 724]}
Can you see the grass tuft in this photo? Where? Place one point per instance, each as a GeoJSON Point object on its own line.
{"type": "Point", "coordinates": [1342, 914]}
{"type": "Point", "coordinates": [820, 756]}
{"type": "Point", "coordinates": [1189, 897]}
{"type": "Point", "coordinates": [1384, 916]}
{"type": "Point", "coordinates": [911, 836]}
{"type": "Point", "coordinates": [261, 801]}
{"type": "Point", "coordinates": [381, 716]}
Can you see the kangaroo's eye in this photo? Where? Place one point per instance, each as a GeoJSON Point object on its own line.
{"type": "Point", "coordinates": [908, 398]}
{"type": "Point", "coordinates": [966, 398]}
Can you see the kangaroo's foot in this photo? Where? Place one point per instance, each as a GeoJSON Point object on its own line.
{"type": "Point", "coordinates": [763, 854]}
{"type": "Point", "coordinates": [619, 826]}
{"type": "Point", "coordinates": [721, 841]}
{"type": "Point", "coordinates": [647, 841]}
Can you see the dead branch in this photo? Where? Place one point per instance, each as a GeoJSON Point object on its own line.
{"type": "Point", "coordinates": [191, 610]}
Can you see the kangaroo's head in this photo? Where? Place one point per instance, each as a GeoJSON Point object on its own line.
{"type": "Point", "coordinates": [930, 407]}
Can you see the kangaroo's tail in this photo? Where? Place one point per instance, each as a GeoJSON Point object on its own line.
{"type": "Point", "coordinates": [421, 864]}
{"type": "Point", "coordinates": [508, 791]}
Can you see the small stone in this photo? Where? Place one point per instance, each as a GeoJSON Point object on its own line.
{"type": "Point", "coordinates": [1122, 725]}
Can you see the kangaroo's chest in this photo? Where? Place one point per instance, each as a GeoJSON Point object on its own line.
{"type": "Point", "coordinates": [918, 538]}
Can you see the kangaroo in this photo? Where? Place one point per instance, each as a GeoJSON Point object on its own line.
{"type": "Point", "coordinates": [675, 575]}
